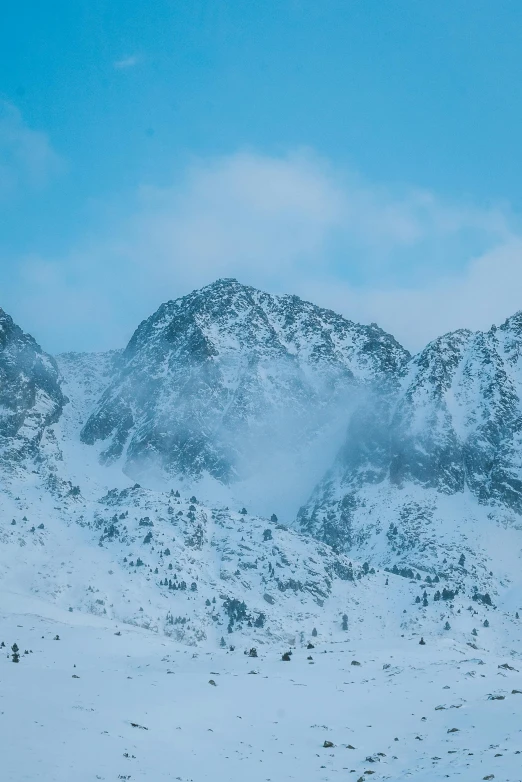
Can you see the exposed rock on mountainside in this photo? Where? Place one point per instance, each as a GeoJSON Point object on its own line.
{"type": "Point", "coordinates": [228, 378]}
{"type": "Point", "coordinates": [455, 428]}
{"type": "Point", "coordinates": [223, 383]}
{"type": "Point", "coordinates": [30, 394]}
{"type": "Point", "coordinates": [84, 377]}
{"type": "Point", "coordinates": [459, 420]}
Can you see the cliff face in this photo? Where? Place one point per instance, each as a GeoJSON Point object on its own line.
{"type": "Point", "coordinates": [228, 376]}
{"type": "Point", "coordinates": [31, 398]}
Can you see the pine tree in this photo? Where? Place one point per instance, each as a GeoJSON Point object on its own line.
{"type": "Point", "coordinates": [345, 622]}
{"type": "Point", "coordinates": [15, 657]}
{"type": "Point", "coordinates": [314, 633]}
{"type": "Point", "coordinates": [447, 626]}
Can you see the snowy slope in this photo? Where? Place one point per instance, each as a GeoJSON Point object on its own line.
{"type": "Point", "coordinates": [30, 395]}
{"type": "Point", "coordinates": [235, 385]}
{"type": "Point", "coordinates": [158, 588]}
{"type": "Point", "coordinates": [437, 468]}
{"type": "Point", "coordinates": [99, 705]}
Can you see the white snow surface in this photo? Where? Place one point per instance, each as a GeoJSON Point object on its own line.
{"type": "Point", "coordinates": [136, 610]}
{"type": "Point", "coordinates": [100, 705]}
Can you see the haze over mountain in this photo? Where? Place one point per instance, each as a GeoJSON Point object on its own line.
{"type": "Point", "coordinates": [157, 488]}
{"type": "Point", "coordinates": [237, 386]}
{"type": "Point", "coordinates": [273, 403]}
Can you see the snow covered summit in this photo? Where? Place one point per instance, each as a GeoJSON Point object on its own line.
{"type": "Point", "coordinates": [232, 383]}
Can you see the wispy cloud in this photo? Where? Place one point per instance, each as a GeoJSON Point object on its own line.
{"type": "Point", "coordinates": [26, 155]}
{"type": "Point", "coordinates": [414, 263]}
{"type": "Point", "coordinates": [127, 62]}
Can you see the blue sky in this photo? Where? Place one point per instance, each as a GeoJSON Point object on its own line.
{"type": "Point", "coordinates": [362, 154]}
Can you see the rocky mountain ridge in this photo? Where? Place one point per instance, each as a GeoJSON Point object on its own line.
{"type": "Point", "coordinates": [454, 428]}
{"type": "Point", "coordinates": [422, 500]}
{"type": "Point", "coordinates": [229, 382]}
{"type": "Point", "coordinates": [31, 397]}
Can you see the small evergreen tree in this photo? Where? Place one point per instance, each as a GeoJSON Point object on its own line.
{"type": "Point", "coordinates": [273, 518]}
{"type": "Point", "coordinates": [462, 560]}
{"type": "Point", "coordinates": [447, 626]}
{"type": "Point", "coordinates": [260, 620]}
{"type": "Point", "coordinates": [345, 622]}
{"type": "Point", "coordinates": [15, 657]}
{"type": "Point", "coordinates": [314, 633]}
{"type": "Point", "coordinates": [485, 623]}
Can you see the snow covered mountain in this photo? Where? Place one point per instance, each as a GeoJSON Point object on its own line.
{"type": "Point", "coordinates": [400, 578]}
{"type": "Point", "coordinates": [240, 386]}
{"type": "Point", "coordinates": [31, 398]}
{"type": "Point", "coordinates": [222, 383]}
{"type": "Point", "coordinates": [435, 473]}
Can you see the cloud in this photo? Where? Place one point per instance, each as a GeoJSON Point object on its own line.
{"type": "Point", "coordinates": [485, 292]}
{"type": "Point", "coordinates": [414, 263]}
{"type": "Point", "coordinates": [26, 155]}
{"type": "Point", "coordinates": [127, 62]}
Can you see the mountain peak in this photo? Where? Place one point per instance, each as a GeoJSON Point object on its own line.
{"type": "Point", "coordinates": [30, 393]}
{"type": "Point", "coordinates": [226, 379]}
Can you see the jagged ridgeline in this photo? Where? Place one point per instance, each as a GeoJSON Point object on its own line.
{"type": "Point", "coordinates": [241, 387]}
{"type": "Point", "coordinates": [230, 382]}
{"type": "Point", "coordinates": [453, 430]}
{"type": "Point", "coordinates": [31, 398]}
